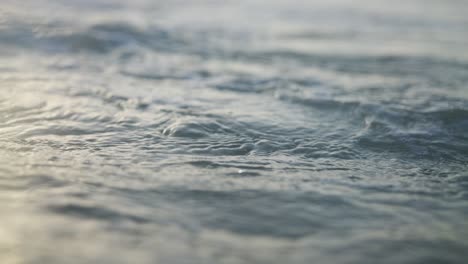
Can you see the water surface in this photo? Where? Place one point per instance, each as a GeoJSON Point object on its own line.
{"type": "Point", "coordinates": [233, 131]}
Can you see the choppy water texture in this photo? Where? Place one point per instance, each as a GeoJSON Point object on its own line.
{"type": "Point", "coordinates": [234, 131]}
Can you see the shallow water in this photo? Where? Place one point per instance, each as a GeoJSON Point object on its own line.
{"type": "Point", "coordinates": [233, 131]}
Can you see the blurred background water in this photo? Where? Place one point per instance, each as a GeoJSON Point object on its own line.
{"type": "Point", "coordinates": [233, 131]}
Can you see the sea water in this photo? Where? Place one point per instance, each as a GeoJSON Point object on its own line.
{"type": "Point", "coordinates": [233, 131]}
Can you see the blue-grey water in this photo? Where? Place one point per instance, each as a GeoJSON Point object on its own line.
{"type": "Point", "coordinates": [233, 131]}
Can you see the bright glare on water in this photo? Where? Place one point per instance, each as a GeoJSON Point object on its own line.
{"type": "Point", "coordinates": [257, 131]}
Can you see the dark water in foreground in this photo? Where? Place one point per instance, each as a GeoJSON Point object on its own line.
{"type": "Point", "coordinates": [233, 132]}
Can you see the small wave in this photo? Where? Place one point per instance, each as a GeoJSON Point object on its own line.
{"type": "Point", "coordinates": [322, 103]}
{"type": "Point", "coordinates": [97, 38]}
{"type": "Point", "coordinates": [28, 183]}
{"type": "Point", "coordinates": [430, 135]}
{"type": "Point", "coordinates": [59, 131]}
{"type": "Point", "coordinates": [250, 85]}
{"type": "Point", "coordinates": [96, 213]}
{"type": "Point", "coordinates": [195, 128]}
